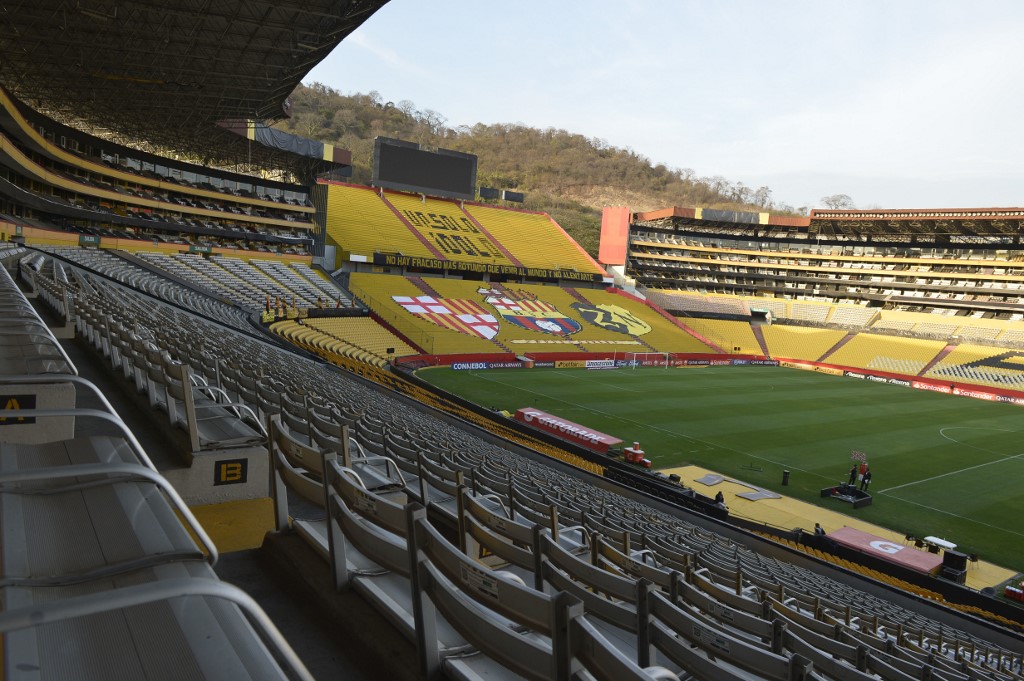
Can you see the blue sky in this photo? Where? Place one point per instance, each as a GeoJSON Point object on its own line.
{"type": "Point", "coordinates": [900, 104]}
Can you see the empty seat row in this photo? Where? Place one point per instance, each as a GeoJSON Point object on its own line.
{"type": "Point", "coordinates": [106, 573]}
{"type": "Point", "coordinates": [205, 412]}
{"type": "Point", "coordinates": [432, 456]}
{"type": "Point", "coordinates": [110, 265]}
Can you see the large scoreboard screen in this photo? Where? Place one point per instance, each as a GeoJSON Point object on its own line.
{"type": "Point", "coordinates": [404, 166]}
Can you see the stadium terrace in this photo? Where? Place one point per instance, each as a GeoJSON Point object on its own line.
{"type": "Point", "coordinates": [216, 345]}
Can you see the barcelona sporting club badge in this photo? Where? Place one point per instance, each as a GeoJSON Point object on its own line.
{"type": "Point", "coordinates": [613, 318]}
{"type": "Point", "coordinates": [525, 311]}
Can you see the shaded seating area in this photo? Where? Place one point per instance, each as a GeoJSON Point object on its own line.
{"type": "Point", "coordinates": [205, 412]}
{"type": "Point", "coordinates": [453, 604]}
{"type": "Point", "coordinates": [688, 615]}
{"type": "Point", "coordinates": [744, 611]}
{"type": "Point", "coordinates": [116, 268]}
{"type": "Point", "coordinates": [99, 549]}
{"type": "Point", "coordinates": [249, 283]}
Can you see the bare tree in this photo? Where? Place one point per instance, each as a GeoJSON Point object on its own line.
{"type": "Point", "coordinates": [838, 201]}
{"type": "Point", "coordinates": [434, 121]}
{"type": "Point", "coordinates": [741, 193]}
{"type": "Point", "coordinates": [717, 184]}
{"type": "Point", "coordinates": [309, 124]}
{"type": "Point", "coordinates": [763, 197]}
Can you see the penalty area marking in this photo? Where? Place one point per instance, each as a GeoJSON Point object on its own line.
{"type": "Point", "coordinates": [942, 432]}
{"type": "Point", "coordinates": [955, 515]}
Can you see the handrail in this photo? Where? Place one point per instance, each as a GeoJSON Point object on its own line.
{"type": "Point", "coordinates": [447, 582]}
{"type": "Point", "coordinates": [478, 582]}
{"type": "Point", "coordinates": [418, 336]}
{"type": "Point", "coordinates": [127, 469]}
{"type": "Point", "coordinates": [182, 372]}
{"type": "Point", "coordinates": [48, 332]}
{"type": "Point", "coordinates": [477, 509]}
{"type": "Point", "coordinates": [141, 594]}
{"type": "Point", "coordinates": [74, 378]}
{"type": "Point", "coordinates": [385, 545]}
{"type": "Point", "coordinates": [86, 413]}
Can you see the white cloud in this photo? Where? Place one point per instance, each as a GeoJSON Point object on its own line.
{"type": "Point", "coordinates": [388, 56]}
{"type": "Point", "coordinates": [921, 94]}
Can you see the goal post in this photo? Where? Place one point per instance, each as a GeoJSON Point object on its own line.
{"type": "Point", "coordinates": [649, 359]}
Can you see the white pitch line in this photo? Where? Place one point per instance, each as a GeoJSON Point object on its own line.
{"type": "Point", "coordinates": [942, 432]}
{"type": "Point", "coordinates": [693, 439]}
{"type": "Point", "coordinates": [953, 515]}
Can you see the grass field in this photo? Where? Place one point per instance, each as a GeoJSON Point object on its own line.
{"type": "Point", "coordinates": [941, 465]}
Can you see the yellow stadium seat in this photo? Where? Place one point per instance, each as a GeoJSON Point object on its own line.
{"type": "Point", "coordinates": [533, 238]}
{"type": "Point", "coordinates": [886, 353]}
{"type": "Point", "coordinates": [360, 223]}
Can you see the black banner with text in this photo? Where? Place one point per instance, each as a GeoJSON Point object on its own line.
{"type": "Point", "coordinates": [395, 260]}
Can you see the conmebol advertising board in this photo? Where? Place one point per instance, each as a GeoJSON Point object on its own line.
{"type": "Point", "coordinates": [567, 430]}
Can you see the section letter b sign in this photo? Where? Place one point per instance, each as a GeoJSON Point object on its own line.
{"type": "Point", "coordinates": [230, 471]}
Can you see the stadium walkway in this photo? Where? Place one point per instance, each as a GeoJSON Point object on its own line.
{"type": "Point", "coordinates": [787, 512]}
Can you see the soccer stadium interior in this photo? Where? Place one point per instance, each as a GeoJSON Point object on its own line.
{"type": "Point", "coordinates": [217, 460]}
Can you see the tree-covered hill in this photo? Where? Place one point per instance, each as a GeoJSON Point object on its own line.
{"type": "Point", "coordinates": [570, 176]}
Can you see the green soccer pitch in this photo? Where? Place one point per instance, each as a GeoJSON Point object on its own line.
{"type": "Point", "coordinates": [941, 465]}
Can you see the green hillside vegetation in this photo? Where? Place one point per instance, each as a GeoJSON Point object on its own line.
{"type": "Point", "coordinates": [569, 176]}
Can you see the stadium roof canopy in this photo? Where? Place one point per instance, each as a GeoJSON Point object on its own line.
{"type": "Point", "coordinates": [165, 71]}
